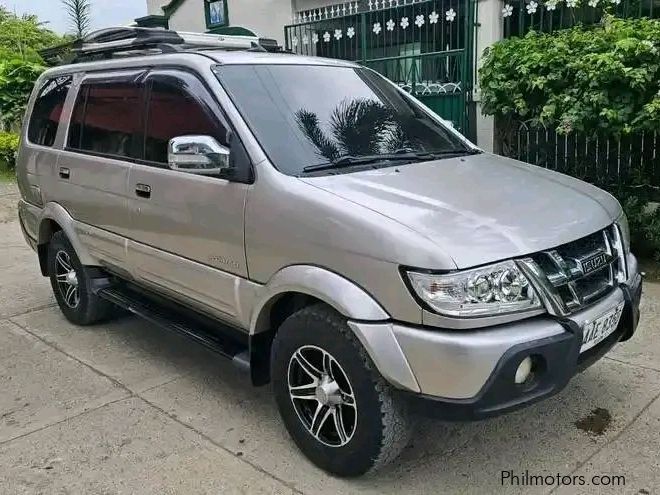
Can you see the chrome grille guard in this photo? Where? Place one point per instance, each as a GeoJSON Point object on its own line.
{"type": "Point", "coordinates": [575, 275]}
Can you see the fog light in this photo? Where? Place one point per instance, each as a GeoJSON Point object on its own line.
{"type": "Point", "coordinates": [524, 370]}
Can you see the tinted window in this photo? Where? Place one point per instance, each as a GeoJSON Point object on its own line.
{"type": "Point", "coordinates": [174, 112]}
{"type": "Point", "coordinates": [306, 115]}
{"type": "Point", "coordinates": [107, 119]}
{"type": "Point", "coordinates": [47, 111]}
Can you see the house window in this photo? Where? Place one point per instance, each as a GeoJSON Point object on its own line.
{"type": "Point", "coordinates": [216, 13]}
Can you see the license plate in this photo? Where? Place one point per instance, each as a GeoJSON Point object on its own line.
{"type": "Point", "coordinates": [595, 331]}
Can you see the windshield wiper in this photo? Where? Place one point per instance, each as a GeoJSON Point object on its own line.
{"type": "Point", "coordinates": [459, 152]}
{"type": "Point", "coordinates": [401, 154]}
{"type": "Point", "coordinates": [349, 160]}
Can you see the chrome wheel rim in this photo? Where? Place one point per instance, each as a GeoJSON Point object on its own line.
{"type": "Point", "coordinates": [322, 396]}
{"type": "Point", "coordinates": [67, 279]}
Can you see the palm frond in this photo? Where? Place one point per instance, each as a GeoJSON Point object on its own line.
{"type": "Point", "coordinates": [358, 125]}
{"type": "Point", "coordinates": [79, 13]}
{"type": "Point", "coordinates": [308, 122]}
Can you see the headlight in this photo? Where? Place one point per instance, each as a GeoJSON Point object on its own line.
{"type": "Point", "coordinates": [624, 228]}
{"type": "Point", "coordinates": [492, 290]}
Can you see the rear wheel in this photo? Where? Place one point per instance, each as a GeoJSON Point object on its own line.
{"type": "Point", "coordinates": [71, 283]}
{"type": "Point", "coordinates": [337, 408]}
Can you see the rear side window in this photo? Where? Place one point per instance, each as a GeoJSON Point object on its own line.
{"type": "Point", "coordinates": [107, 119]}
{"type": "Point", "coordinates": [173, 112]}
{"type": "Point", "coordinates": [47, 112]}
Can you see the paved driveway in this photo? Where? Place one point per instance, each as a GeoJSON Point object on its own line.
{"type": "Point", "coordinates": [125, 408]}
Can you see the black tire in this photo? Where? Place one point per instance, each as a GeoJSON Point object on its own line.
{"type": "Point", "coordinates": [382, 426]}
{"type": "Point", "coordinates": [87, 308]}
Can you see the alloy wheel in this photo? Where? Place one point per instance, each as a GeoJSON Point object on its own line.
{"type": "Point", "coordinates": [322, 396]}
{"type": "Point", "coordinates": [67, 279]}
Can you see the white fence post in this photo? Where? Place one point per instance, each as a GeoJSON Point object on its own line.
{"type": "Point", "coordinates": [490, 29]}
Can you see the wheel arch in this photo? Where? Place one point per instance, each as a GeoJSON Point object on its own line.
{"type": "Point", "coordinates": [293, 288]}
{"type": "Point", "coordinates": [55, 218]}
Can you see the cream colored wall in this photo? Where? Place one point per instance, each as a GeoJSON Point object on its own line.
{"type": "Point", "coordinates": [266, 18]}
{"type": "Point", "coordinates": [154, 7]}
{"type": "Point", "coordinates": [189, 17]}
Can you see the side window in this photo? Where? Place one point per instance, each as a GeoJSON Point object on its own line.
{"type": "Point", "coordinates": [47, 111]}
{"type": "Point", "coordinates": [174, 112]}
{"type": "Point", "coordinates": [107, 119]}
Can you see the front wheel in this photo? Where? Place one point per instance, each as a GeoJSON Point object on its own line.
{"type": "Point", "coordinates": [337, 408]}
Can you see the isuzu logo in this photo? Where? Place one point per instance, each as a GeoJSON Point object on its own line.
{"type": "Point", "coordinates": [593, 263]}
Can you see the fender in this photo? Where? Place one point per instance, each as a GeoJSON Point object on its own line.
{"type": "Point", "coordinates": [331, 288]}
{"type": "Point", "coordinates": [57, 213]}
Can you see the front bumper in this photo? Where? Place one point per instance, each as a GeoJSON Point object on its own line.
{"type": "Point", "coordinates": [470, 374]}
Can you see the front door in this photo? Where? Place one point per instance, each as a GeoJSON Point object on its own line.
{"type": "Point", "coordinates": [186, 230]}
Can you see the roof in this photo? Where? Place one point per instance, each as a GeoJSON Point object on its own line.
{"type": "Point", "coordinates": [196, 58]}
{"type": "Point", "coordinates": [245, 57]}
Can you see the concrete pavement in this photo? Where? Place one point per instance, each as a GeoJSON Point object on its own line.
{"type": "Point", "coordinates": [124, 407]}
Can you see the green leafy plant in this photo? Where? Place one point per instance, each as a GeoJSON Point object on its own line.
{"type": "Point", "coordinates": [8, 150]}
{"type": "Point", "coordinates": [603, 78]}
{"type": "Point", "coordinates": [17, 78]}
{"type": "Point", "coordinates": [21, 37]}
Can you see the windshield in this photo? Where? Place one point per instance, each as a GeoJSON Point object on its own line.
{"type": "Point", "coordinates": [306, 116]}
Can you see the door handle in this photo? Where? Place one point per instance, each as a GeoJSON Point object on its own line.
{"type": "Point", "coordinates": [65, 173]}
{"type": "Point", "coordinates": [143, 190]}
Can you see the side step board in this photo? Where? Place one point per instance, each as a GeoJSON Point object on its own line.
{"type": "Point", "coordinates": [172, 317]}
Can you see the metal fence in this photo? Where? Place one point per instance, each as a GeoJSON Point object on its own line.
{"type": "Point", "coordinates": [521, 16]}
{"type": "Point", "coordinates": [425, 46]}
{"type": "Point", "coordinates": [603, 160]}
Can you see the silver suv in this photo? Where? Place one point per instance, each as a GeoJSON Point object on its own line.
{"type": "Point", "coordinates": [314, 223]}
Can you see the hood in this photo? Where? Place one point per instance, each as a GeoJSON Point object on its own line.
{"type": "Point", "coordinates": [481, 208]}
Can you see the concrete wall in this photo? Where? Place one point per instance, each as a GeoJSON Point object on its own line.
{"type": "Point", "coordinates": [489, 30]}
{"type": "Point", "coordinates": [267, 18]}
{"type": "Point", "coordinates": [190, 17]}
{"type": "Point", "coordinates": [154, 7]}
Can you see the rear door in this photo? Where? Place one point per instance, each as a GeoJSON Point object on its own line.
{"type": "Point", "coordinates": [41, 144]}
{"type": "Point", "coordinates": [103, 141]}
{"type": "Point", "coordinates": [187, 230]}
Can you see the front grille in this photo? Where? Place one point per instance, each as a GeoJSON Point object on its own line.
{"type": "Point", "coordinates": [581, 272]}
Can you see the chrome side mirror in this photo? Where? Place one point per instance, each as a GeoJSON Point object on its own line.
{"type": "Point", "coordinates": [198, 155]}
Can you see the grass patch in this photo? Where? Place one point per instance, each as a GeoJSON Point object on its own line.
{"type": "Point", "coordinates": [7, 175]}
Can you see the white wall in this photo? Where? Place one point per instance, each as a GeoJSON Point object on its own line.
{"type": "Point", "coordinates": [154, 6]}
{"type": "Point", "coordinates": [190, 17]}
{"type": "Point", "coordinates": [266, 18]}
{"type": "Point", "coordinates": [489, 30]}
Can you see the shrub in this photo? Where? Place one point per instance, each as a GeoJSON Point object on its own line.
{"type": "Point", "coordinates": [8, 151]}
{"type": "Point", "coordinates": [599, 80]}
{"type": "Point", "coordinates": [603, 78]}
{"type": "Point", "coordinates": [17, 79]}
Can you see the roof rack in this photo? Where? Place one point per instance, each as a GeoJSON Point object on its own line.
{"type": "Point", "coordinates": [137, 41]}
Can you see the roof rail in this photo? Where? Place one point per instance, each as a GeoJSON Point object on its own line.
{"type": "Point", "coordinates": [137, 41]}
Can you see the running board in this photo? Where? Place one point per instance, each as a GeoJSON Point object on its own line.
{"type": "Point", "coordinates": [173, 317]}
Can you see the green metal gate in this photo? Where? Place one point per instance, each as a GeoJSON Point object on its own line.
{"type": "Point", "coordinates": [426, 47]}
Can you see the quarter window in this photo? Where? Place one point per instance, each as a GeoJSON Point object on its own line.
{"type": "Point", "coordinates": [107, 119]}
{"type": "Point", "coordinates": [47, 111]}
{"type": "Point", "coordinates": [174, 112]}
